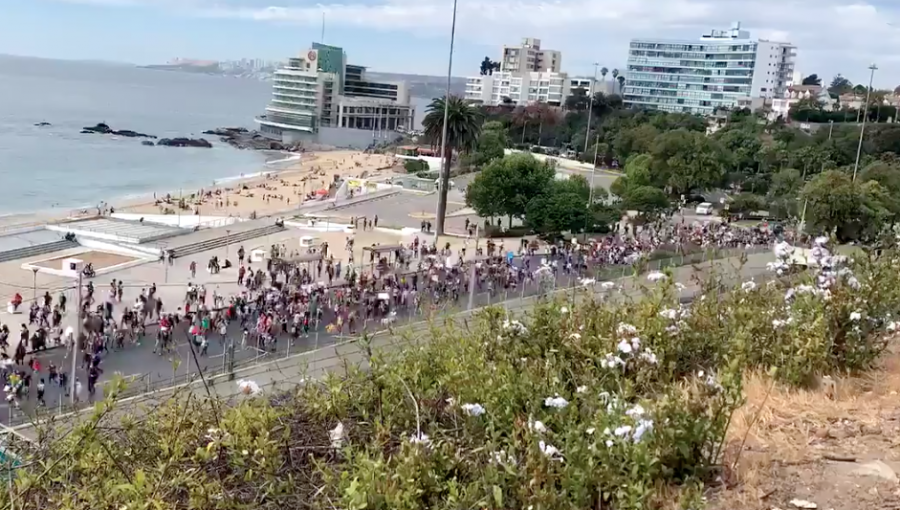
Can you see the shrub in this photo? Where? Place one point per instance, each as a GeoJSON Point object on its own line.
{"type": "Point", "coordinates": [414, 166]}
{"type": "Point", "coordinates": [592, 405]}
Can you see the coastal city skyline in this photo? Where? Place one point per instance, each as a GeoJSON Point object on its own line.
{"type": "Point", "coordinates": [586, 32]}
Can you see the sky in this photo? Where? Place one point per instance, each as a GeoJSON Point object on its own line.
{"type": "Point", "coordinates": [412, 36]}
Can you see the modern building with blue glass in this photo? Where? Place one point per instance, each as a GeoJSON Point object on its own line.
{"type": "Point", "coordinates": [725, 68]}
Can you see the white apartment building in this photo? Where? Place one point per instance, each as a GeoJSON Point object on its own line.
{"type": "Point", "coordinates": [520, 89]}
{"type": "Point", "coordinates": [528, 57]}
{"type": "Point", "coordinates": [720, 69]}
{"type": "Point", "coordinates": [608, 87]}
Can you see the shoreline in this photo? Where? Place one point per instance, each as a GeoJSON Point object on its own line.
{"type": "Point", "coordinates": [283, 184]}
{"type": "Point", "coordinates": [21, 220]}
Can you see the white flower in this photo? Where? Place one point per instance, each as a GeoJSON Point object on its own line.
{"type": "Point", "coordinates": [855, 316]}
{"type": "Point", "coordinates": [853, 283]}
{"type": "Point", "coordinates": [624, 347]}
{"type": "Point", "coordinates": [626, 329]}
{"type": "Point", "coordinates": [778, 323]}
{"type": "Point", "coordinates": [636, 411]}
{"type": "Point", "coordinates": [643, 426]}
{"type": "Point", "coordinates": [515, 327]}
{"type": "Point", "coordinates": [550, 450]}
{"type": "Point", "coordinates": [563, 309]}
{"type": "Point", "coordinates": [249, 387]}
{"type": "Point", "coordinates": [537, 426]}
{"type": "Point", "coordinates": [575, 336]}
{"type": "Point", "coordinates": [821, 241]}
{"type": "Point", "coordinates": [748, 286]}
{"type": "Point", "coordinates": [556, 402]}
{"type": "Point", "coordinates": [503, 458]}
{"type": "Point", "coordinates": [337, 435]}
{"type": "Point", "coordinates": [649, 357]}
{"type": "Point", "coordinates": [612, 361]}
{"type": "Point", "coordinates": [607, 432]}
{"type": "Point", "coordinates": [609, 443]}
{"type": "Point", "coordinates": [891, 327]}
{"type": "Point", "coordinates": [581, 389]}
{"type": "Point", "coordinates": [590, 431]}
{"type": "Point", "coordinates": [656, 276]}
{"type": "Point", "coordinates": [420, 438]}
{"type": "Point", "coordinates": [473, 409]}
{"type": "Point", "coordinates": [622, 431]}
{"type": "Point", "coordinates": [669, 313]}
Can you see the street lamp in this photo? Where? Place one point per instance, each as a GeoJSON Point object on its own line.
{"type": "Point", "coordinates": [590, 108]}
{"type": "Point", "coordinates": [445, 163]}
{"type": "Point", "coordinates": [34, 284]}
{"type": "Point", "coordinates": [862, 130]}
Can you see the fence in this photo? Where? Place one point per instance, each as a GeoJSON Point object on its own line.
{"type": "Point", "coordinates": [523, 297]}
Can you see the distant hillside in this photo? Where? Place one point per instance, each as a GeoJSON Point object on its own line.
{"type": "Point", "coordinates": [186, 68]}
{"type": "Point", "coordinates": [422, 85]}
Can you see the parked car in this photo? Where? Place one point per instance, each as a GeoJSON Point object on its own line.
{"type": "Point", "coordinates": [705, 209]}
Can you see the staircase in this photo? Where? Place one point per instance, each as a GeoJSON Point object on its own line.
{"type": "Point", "coordinates": [37, 249]}
{"type": "Point", "coordinates": [218, 242]}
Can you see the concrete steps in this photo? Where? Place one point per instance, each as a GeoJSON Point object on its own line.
{"type": "Point", "coordinates": [218, 242]}
{"type": "Point", "coordinates": [37, 249]}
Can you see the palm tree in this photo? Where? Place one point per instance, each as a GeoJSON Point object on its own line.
{"type": "Point", "coordinates": [615, 75]}
{"type": "Point", "coordinates": [463, 128]}
{"type": "Point", "coordinates": [603, 73]}
{"type": "Point", "coordinates": [621, 85]}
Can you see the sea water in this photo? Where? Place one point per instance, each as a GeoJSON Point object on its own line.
{"type": "Point", "coordinates": [56, 167]}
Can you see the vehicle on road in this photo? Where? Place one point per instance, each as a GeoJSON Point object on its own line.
{"type": "Point", "coordinates": [705, 209]}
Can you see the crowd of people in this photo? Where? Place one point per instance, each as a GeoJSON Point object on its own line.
{"type": "Point", "coordinates": [292, 295]}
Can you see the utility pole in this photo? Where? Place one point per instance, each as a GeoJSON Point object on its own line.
{"type": "Point", "coordinates": [862, 130]}
{"type": "Point", "coordinates": [591, 192]}
{"type": "Point", "coordinates": [444, 178]}
{"type": "Point", "coordinates": [78, 325]}
{"type": "Point", "coordinates": [590, 108]}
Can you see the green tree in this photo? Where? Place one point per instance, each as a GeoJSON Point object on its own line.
{"type": "Point", "coordinates": [744, 203]}
{"type": "Point", "coordinates": [782, 195]}
{"type": "Point", "coordinates": [812, 79]}
{"type": "Point", "coordinates": [637, 174]}
{"type": "Point", "coordinates": [688, 160]}
{"type": "Point", "coordinates": [634, 141]}
{"type": "Point", "coordinates": [414, 166]}
{"type": "Point", "coordinates": [648, 201]}
{"type": "Point", "coordinates": [505, 186]}
{"type": "Point", "coordinates": [491, 145]}
{"type": "Point", "coordinates": [835, 203]}
{"type": "Point", "coordinates": [839, 85]}
{"type": "Point", "coordinates": [463, 128]}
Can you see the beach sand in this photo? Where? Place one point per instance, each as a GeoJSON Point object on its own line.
{"type": "Point", "coordinates": [275, 191]}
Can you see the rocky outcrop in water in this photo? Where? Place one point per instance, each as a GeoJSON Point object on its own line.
{"type": "Point", "coordinates": [185, 142]}
{"type": "Point", "coordinates": [148, 143]}
{"type": "Point", "coordinates": [43, 124]}
{"type": "Point", "coordinates": [242, 138]}
{"type": "Point", "coordinates": [104, 129]}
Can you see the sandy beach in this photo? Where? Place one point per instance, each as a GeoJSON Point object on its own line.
{"type": "Point", "coordinates": [272, 191]}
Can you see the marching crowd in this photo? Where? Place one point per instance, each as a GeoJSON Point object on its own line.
{"type": "Point", "coordinates": [289, 297]}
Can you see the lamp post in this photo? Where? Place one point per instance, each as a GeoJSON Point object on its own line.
{"type": "Point", "coordinates": [78, 325]}
{"type": "Point", "coordinates": [862, 130]}
{"type": "Point", "coordinates": [590, 108]}
{"type": "Point", "coordinates": [591, 192]}
{"type": "Point", "coordinates": [445, 162]}
{"type": "Point", "coordinates": [34, 284]}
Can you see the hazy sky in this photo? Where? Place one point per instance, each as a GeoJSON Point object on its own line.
{"type": "Point", "coordinates": [412, 35]}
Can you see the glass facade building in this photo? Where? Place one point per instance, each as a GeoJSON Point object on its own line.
{"type": "Point", "coordinates": [719, 70]}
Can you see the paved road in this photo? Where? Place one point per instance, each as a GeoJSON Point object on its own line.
{"type": "Point", "coordinates": [145, 369]}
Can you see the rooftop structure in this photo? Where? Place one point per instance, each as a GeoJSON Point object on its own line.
{"type": "Point", "coordinates": [720, 69]}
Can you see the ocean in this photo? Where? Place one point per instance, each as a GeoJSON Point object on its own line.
{"type": "Point", "coordinates": [56, 167]}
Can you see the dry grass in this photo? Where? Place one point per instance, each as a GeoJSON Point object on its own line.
{"type": "Point", "coordinates": [787, 430]}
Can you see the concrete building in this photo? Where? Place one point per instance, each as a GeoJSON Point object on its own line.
{"type": "Point", "coordinates": [520, 89]}
{"type": "Point", "coordinates": [530, 57]}
{"type": "Point", "coordinates": [608, 87]}
{"type": "Point", "coordinates": [318, 89]}
{"type": "Point", "coordinates": [720, 69]}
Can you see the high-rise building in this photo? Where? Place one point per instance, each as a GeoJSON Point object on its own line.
{"type": "Point", "coordinates": [529, 57]}
{"type": "Point", "coordinates": [720, 69]}
{"type": "Point", "coordinates": [318, 89]}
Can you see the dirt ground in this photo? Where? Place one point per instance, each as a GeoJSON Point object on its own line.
{"type": "Point", "coordinates": [98, 258]}
{"type": "Point", "coordinates": [836, 446]}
